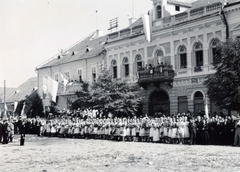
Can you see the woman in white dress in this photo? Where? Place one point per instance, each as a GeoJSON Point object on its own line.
{"type": "Point", "coordinates": [174, 135]}
{"type": "Point", "coordinates": [156, 136]}
{"type": "Point", "coordinates": [180, 125]}
{"type": "Point", "coordinates": [186, 130]}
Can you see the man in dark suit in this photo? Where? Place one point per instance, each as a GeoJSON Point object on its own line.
{"type": "Point", "coordinates": [5, 131]}
{"type": "Point", "coordinates": [193, 131]}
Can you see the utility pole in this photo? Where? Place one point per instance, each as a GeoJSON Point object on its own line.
{"type": "Point", "coordinates": [4, 97]}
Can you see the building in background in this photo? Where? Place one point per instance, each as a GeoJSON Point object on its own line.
{"type": "Point", "coordinates": [13, 97]}
{"type": "Point", "coordinates": [178, 39]}
{"type": "Point", "coordinates": [175, 41]}
{"type": "Point", "coordinates": [82, 61]}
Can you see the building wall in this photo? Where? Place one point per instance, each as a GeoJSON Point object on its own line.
{"type": "Point", "coordinates": [168, 38]}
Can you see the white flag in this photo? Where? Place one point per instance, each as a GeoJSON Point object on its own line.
{"type": "Point", "coordinates": [147, 23]}
{"type": "Point", "coordinates": [64, 80]}
{"type": "Point", "coordinates": [52, 88]}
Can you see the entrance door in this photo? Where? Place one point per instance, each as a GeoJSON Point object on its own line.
{"type": "Point", "coordinates": [159, 103]}
{"type": "Point", "coordinates": [198, 102]}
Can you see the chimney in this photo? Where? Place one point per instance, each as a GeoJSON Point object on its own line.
{"type": "Point", "coordinates": [131, 21]}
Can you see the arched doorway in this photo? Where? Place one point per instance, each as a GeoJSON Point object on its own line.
{"type": "Point", "coordinates": [198, 102]}
{"type": "Point", "coordinates": [159, 103]}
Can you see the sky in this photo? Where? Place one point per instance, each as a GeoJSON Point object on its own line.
{"type": "Point", "coordinates": [33, 30]}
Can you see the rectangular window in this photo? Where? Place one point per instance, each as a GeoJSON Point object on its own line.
{"type": "Point", "coordinates": [177, 8]}
{"type": "Point", "coordinates": [79, 72]}
{"type": "Point", "coordinates": [183, 61]}
{"type": "Point", "coordinates": [182, 104]}
{"type": "Point", "coordinates": [56, 77]}
{"type": "Point", "coordinates": [199, 58]}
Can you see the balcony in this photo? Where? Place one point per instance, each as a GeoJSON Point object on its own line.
{"type": "Point", "coordinates": [70, 88]}
{"type": "Point", "coordinates": [198, 69]}
{"type": "Point", "coordinates": [156, 75]}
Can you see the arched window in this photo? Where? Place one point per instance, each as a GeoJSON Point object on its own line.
{"type": "Point", "coordinates": [198, 102]}
{"type": "Point", "coordinates": [213, 50]}
{"type": "Point", "coordinates": [183, 56]}
{"type": "Point", "coordinates": [126, 67]}
{"type": "Point", "coordinates": [198, 51]}
{"type": "Point", "coordinates": [114, 68]}
{"type": "Point", "coordinates": [159, 12]}
{"type": "Point", "coordinates": [139, 63]}
{"type": "Point", "coordinates": [159, 57]}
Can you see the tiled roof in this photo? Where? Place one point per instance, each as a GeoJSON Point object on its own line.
{"type": "Point", "coordinates": [78, 51]}
{"type": "Point", "coordinates": [25, 89]}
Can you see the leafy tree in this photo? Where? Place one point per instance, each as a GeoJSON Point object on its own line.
{"type": "Point", "coordinates": [111, 95]}
{"type": "Point", "coordinates": [83, 100]}
{"type": "Point", "coordinates": [223, 86]}
{"type": "Point", "coordinates": [34, 106]}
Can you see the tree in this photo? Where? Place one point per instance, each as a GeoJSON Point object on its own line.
{"type": "Point", "coordinates": [83, 100]}
{"type": "Point", "coordinates": [223, 86]}
{"type": "Point", "coordinates": [34, 106]}
{"type": "Point", "coordinates": [111, 95]}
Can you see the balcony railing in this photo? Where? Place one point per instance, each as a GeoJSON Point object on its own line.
{"type": "Point", "coordinates": [160, 73]}
{"type": "Point", "coordinates": [197, 69]}
{"type": "Point", "coordinates": [70, 88]}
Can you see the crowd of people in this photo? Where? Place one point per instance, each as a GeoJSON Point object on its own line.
{"type": "Point", "coordinates": [177, 129]}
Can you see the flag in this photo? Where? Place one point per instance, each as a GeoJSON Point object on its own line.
{"type": "Point", "coordinates": [49, 89]}
{"type": "Point", "coordinates": [15, 106]}
{"type": "Point", "coordinates": [52, 88]}
{"type": "Point", "coordinates": [64, 80]}
{"type": "Point", "coordinates": [23, 108]}
{"type": "Point", "coordinates": [147, 23]}
{"type": "Point", "coordinates": [206, 108]}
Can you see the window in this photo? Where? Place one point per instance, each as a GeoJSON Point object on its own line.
{"type": "Point", "coordinates": [214, 50]}
{"type": "Point", "coordinates": [159, 57]}
{"type": "Point", "coordinates": [94, 74]}
{"type": "Point", "coordinates": [126, 67]}
{"type": "Point", "coordinates": [177, 8]}
{"type": "Point", "coordinates": [159, 12]}
{"type": "Point", "coordinates": [139, 62]}
{"type": "Point", "coordinates": [183, 57]}
{"type": "Point", "coordinates": [80, 75]}
{"type": "Point", "coordinates": [114, 68]}
{"type": "Point", "coordinates": [56, 77]}
{"type": "Point", "coordinates": [198, 48]}
{"type": "Point", "coordinates": [182, 104]}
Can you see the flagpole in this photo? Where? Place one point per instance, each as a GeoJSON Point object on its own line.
{"type": "Point", "coordinates": [4, 99]}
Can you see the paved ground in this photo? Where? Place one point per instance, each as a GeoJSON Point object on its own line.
{"type": "Point", "coordinates": [55, 154]}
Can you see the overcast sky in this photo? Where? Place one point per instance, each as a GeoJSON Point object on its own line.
{"type": "Point", "coordinates": [32, 30]}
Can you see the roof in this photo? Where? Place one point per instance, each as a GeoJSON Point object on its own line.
{"type": "Point", "coordinates": [181, 3]}
{"type": "Point", "coordinates": [202, 3]}
{"type": "Point", "coordinates": [79, 51]}
{"type": "Point", "coordinates": [25, 89]}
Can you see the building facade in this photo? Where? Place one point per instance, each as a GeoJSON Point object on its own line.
{"type": "Point", "coordinates": [81, 62]}
{"type": "Point", "coordinates": [183, 39]}
{"type": "Point", "coordinates": [171, 66]}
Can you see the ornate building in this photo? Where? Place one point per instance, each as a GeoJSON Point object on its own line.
{"type": "Point", "coordinates": [169, 52]}
{"type": "Point", "coordinates": [181, 51]}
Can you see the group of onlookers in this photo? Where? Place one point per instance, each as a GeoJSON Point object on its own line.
{"type": "Point", "coordinates": [177, 129]}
